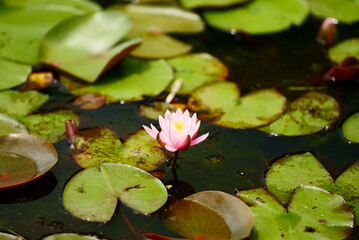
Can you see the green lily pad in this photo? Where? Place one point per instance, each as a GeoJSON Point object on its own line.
{"type": "Point", "coordinates": [346, 185]}
{"type": "Point", "coordinates": [196, 70]}
{"type": "Point", "coordinates": [350, 128]}
{"type": "Point", "coordinates": [210, 215]}
{"type": "Point", "coordinates": [156, 109]}
{"type": "Point", "coordinates": [98, 145]}
{"type": "Point", "coordinates": [344, 49]}
{"type": "Point", "coordinates": [22, 28]}
{"type": "Point", "coordinates": [7, 236]}
{"type": "Point", "coordinates": [209, 3]}
{"type": "Point", "coordinates": [131, 80]}
{"type": "Point", "coordinates": [313, 213]}
{"type": "Point", "coordinates": [289, 172]}
{"type": "Point", "coordinates": [308, 114]}
{"type": "Point", "coordinates": [12, 74]}
{"type": "Point", "coordinates": [84, 46]}
{"type": "Point", "coordinates": [10, 125]}
{"type": "Point", "coordinates": [69, 236]}
{"type": "Point", "coordinates": [50, 126]}
{"type": "Point", "coordinates": [222, 101]}
{"type": "Point", "coordinates": [259, 16]}
{"type": "Point", "coordinates": [92, 194]}
{"type": "Point", "coordinates": [162, 19]}
{"type": "Point", "coordinates": [158, 45]}
{"type": "Point", "coordinates": [85, 5]}
{"type": "Point", "coordinates": [343, 10]}
{"type": "Point", "coordinates": [19, 104]}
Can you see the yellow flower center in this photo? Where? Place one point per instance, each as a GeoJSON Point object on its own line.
{"type": "Point", "coordinates": [179, 125]}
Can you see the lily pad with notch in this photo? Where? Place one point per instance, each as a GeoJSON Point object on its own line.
{"type": "Point", "coordinates": [312, 213]}
{"type": "Point", "coordinates": [51, 125]}
{"type": "Point", "coordinates": [94, 146]}
{"type": "Point", "coordinates": [210, 215]}
{"type": "Point", "coordinates": [19, 163]}
{"type": "Point", "coordinates": [308, 114]}
{"type": "Point", "coordinates": [93, 193]}
{"type": "Point", "coordinates": [259, 16]}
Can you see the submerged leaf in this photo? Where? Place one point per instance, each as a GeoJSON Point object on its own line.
{"type": "Point", "coordinates": [131, 80]}
{"type": "Point", "coordinates": [92, 194]}
{"type": "Point", "coordinates": [12, 74]}
{"type": "Point", "coordinates": [259, 16]}
{"type": "Point", "coordinates": [308, 114]}
{"type": "Point", "coordinates": [19, 104]}
{"type": "Point", "coordinates": [50, 126]}
{"type": "Point", "coordinates": [313, 213]}
{"type": "Point", "coordinates": [95, 146]}
{"type": "Point", "coordinates": [210, 215]}
{"type": "Point", "coordinates": [350, 128]}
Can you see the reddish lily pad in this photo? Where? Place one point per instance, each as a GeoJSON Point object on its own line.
{"type": "Point", "coordinates": [346, 70]}
{"type": "Point", "coordinates": [210, 215]}
{"type": "Point", "coordinates": [95, 146]}
{"type": "Point", "coordinates": [196, 70]}
{"type": "Point", "coordinates": [93, 193]}
{"type": "Point", "coordinates": [19, 104]}
{"type": "Point", "coordinates": [312, 213]}
{"type": "Point", "coordinates": [90, 101]}
{"type": "Point", "coordinates": [19, 163]}
{"type": "Point", "coordinates": [308, 114]}
{"type": "Point", "coordinates": [350, 128]}
{"type": "Point", "coordinates": [259, 16]}
{"type": "Point", "coordinates": [51, 125]}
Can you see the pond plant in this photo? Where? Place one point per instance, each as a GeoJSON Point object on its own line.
{"type": "Point", "coordinates": [272, 84]}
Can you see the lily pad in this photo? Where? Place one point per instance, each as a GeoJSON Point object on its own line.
{"type": "Point", "coordinates": [259, 16]}
{"type": "Point", "coordinates": [308, 114]}
{"type": "Point", "coordinates": [344, 49]}
{"type": "Point", "coordinates": [156, 109]}
{"type": "Point", "coordinates": [19, 163]}
{"type": "Point", "coordinates": [196, 70]}
{"type": "Point", "coordinates": [344, 10]}
{"type": "Point", "coordinates": [50, 126]}
{"type": "Point", "coordinates": [252, 110]}
{"type": "Point", "coordinates": [69, 236]}
{"type": "Point", "coordinates": [289, 172]}
{"type": "Point", "coordinates": [350, 128]}
{"type": "Point", "coordinates": [22, 28]}
{"type": "Point", "coordinates": [158, 45]}
{"type": "Point", "coordinates": [209, 3]}
{"type": "Point", "coordinates": [92, 194]}
{"type": "Point", "coordinates": [19, 104]}
{"type": "Point", "coordinates": [84, 46]}
{"type": "Point", "coordinates": [12, 74]}
{"type": "Point", "coordinates": [7, 236]}
{"type": "Point", "coordinates": [313, 213]}
{"type": "Point", "coordinates": [10, 125]}
{"type": "Point", "coordinates": [210, 215]}
{"type": "Point", "coordinates": [161, 19]}
{"type": "Point", "coordinates": [95, 146]}
{"type": "Point", "coordinates": [131, 80]}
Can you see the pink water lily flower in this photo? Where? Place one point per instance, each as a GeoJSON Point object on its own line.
{"type": "Point", "coordinates": [178, 130]}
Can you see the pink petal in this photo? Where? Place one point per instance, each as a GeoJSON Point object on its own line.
{"type": "Point", "coordinates": [170, 148]}
{"type": "Point", "coordinates": [194, 130]}
{"type": "Point", "coordinates": [199, 139]}
{"type": "Point", "coordinates": [186, 115]}
{"type": "Point", "coordinates": [151, 131]}
{"type": "Point", "coordinates": [168, 115]}
{"type": "Point", "coordinates": [165, 138]}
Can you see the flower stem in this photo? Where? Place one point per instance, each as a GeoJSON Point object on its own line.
{"type": "Point", "coordinates": [174, 160]}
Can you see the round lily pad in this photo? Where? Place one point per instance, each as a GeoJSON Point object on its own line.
{"type": "Point", "coordinates": [211, 215]}
{"type": "Point", "coordinates": [92, 194]}
{"type": "Point", "coordinates": [259, 16]}
{"type": "Point", "coordinates": [313, 213]}
{"type": "Point", "coordinates": [196, 70]}
{"type": "Point", "coordinates": [308, 114]}
{"type": "Point", "coordinates": [350, 128]}
{"type": "Point", "coordinates": [19, 163]}
{"type": "Point", "coordinates": [69, 236]}
{"type": "Point", "coordinates": [344, 49]}
{"type": "Point", "coordinates": [12, 74]}
{"type": "Point", "coordinates": [9, 125]}
{"type": "Point", "coordinates": [343, 10]}
{"type": "Point", "coordinates": [209, 3]}
{"type": "Point", "coordinates": [50, 126]}
{"type": "Point", "coordinates": [289, 172]}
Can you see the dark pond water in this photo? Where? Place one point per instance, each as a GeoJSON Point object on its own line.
{"type": "Point", "coordinates": [228, 160]}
